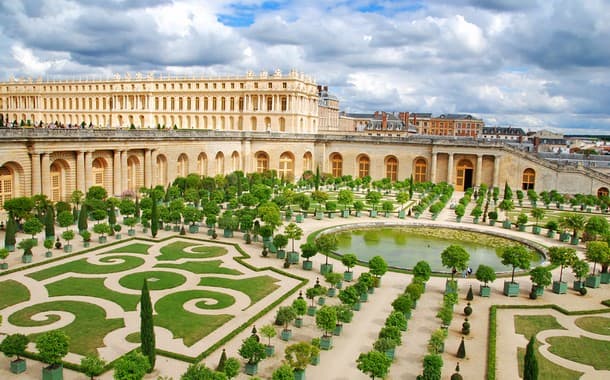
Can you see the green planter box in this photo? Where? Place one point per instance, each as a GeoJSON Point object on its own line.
{"type": "Point", "coordinates": [390, 353]}
{"type": "Point", "coordinates": [593, 281]}
{"type": "Point", "coordinates": [298, 322]}
{"type": "Point", "coordinates": [299, 218]}
{"type": "Point", "coordinates": [4, 266]}
{"type": "Point", "coordinates": [308, 265]}
{"type": "Point", "coordinates": [331, 292]}
{"type": "Point", "coordinates": [357, 306]}
{"type": "Point", "coordinates": [451, 286]}
{"type": "Point", "coordinates": [550, 233]}
{"type": "Point", "coordinates": [26, 259]}
{"type": "Point", "coordinates": [18, 366]}
{"type": "Point", "coordinates": [269, 350]}
{"type": "Point", "coordinates": [321, 301]}
{"type": "Point", "coordinates": [118, 236]}
{"type": "Point", "coordinates": [311, 310]}
{"type": "Point", "coordinates": [536, 230]}
{"type": "Point", "coordinates": [315, 360]}
{"type": "Point", "coordinates": [511, 289]}
{"type": "Point", "coordinates": [506, 224]}
{"type": "Point", "coordinates": [326, 342]}
{"type": "Point", "coordinates": [564, 237]}
{"type": "Point", "coordinates": [319, 215]}
{"type": "Point", "coordinates": [338, 330]}
{"type": "Point", "coordinates": [68, 248]}
{"type": "Point", "coordinates": [193, 229]}
{"type": "Point", "coordinates": [475, 220]}
{"type": "Point", "coordinates": [560, 287]}
{"type": "Point", "coordinates": [373, 214]}
{"type": "Point", "coordinates": [605, 278]}
{"type": "Point", "coordinates": [288, 217]}
{"type": "Point", "coordinates": [339, 285]}
{"type": "Point", "coordinates": [326, 268]}
{"type": "Point", "coordinates": [484, 291]}
{"type": "Point", "coordinates": [458, 219]}
{"type": "Point", "coordinates": [251, 369]}
{"type": "Point", "coordinates": [103, 239]}
{"type": "Point", "coordinates": [281, 254]}
{"type": "Point", "coordinates": [176, 228]}
{"type": "Point", "coordinates": [299, 374]}
{"type": "Point", "coordinates": [574, 240]}
{"type": "Point", "coordinates": [522, 227]}
{"type": "Point", "coordinates": [227, 233]}
{"type": "Point", "coordinates": [344, 213]}
{"type": "Point", "coordinates": [539, 291]}
{"type": "Point", "coordinates": [167, 227]}
{"type": "Point", "coordinates": [53, 373]}
{"type": "Point", "coordinates": [492, 222]}
{"type": "Point", "coordinates": [348, 276]}
{"type": "Point", "coordinates": [401, 214]}
{"type": "Point", "coordinates": [285, 335]}
{"type": "Point", "coordinates": [579, 285]}
{"type": "Point", "coordinates": [358, 213]}
{"type": "Point", "coordinates": [364, 297]}
{"type": "Point", "coordinates": [293, 257]}
{"type": "Point", "coordinates": [48, 254]}
{"type": "Point", "coordinates": [371, 290]}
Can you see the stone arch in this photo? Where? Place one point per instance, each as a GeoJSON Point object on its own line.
{"type": "Point", "coordinates": [220, 163]}
{"type": "Point", "coordinates": [11, 181]}
{"type": "Point", "coordinates": [235, 164]}
{"type": "Point", "coordinates": [58, 178]}
{"type": "Point", "coordinates": [528, 181]}
{"type": "Point", "coordinates": [363, 163]}
{"type": "Point", "coordinates": [391, 168]}
{"type": "Point", "coordinates": [161, 173]}
{"type": "Point", "coordinates": [286, 169]}
{"type": "Point", "coordinates": [202, 164]}
{"type": "Point", "coordinates": [307, 161]}
{"type": "Point", "coordinates": [134, 174]}
{"type": "Point", "coordinates": [282, 124]}
{"type": "Point", "coordinates": [420, 170]}
{"type": "Point", "coordinates": [253, 123]}
{"type": "Point", "coordinates": [262, 161]}
{"type": "Point", "coordinates": [182, 165]}
{"type": "Point", "coordinates": [336, 164]}
{"type": "Point", "coordinates": [267, 124]}
{"type": "Point", "coordinates": [99, 167]}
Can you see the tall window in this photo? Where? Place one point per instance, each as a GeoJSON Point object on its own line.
{"type": "Point", "coordinates": [336, 162]}
{"type": "Point", "coordinates": [132, 173]}
{"type": "Point", "coordinates": [307, 161]}
{"type": "Point", "coordinates": [286, 166]}
{"type": "Point", "coordinates": [364, 166]}
{"type": "Point", "coordinates": [6, 185]}
{"type": "Point", "coordinates": [282, 124]}
{"type": "Point", "coordinates": [98, 172]}
{"type": "Point", "coordinates": [420, 170]}
{"type": "Point", "coordinates": [161, 170]}
{"type": "Point", "coordinates": [391, 168]}
{"type": "Point", "coordinates": [202, 164]}
{"type": "Point", "coordinates": [182, 166]}
{"type": "Point", "coordinates": [602, 192]}
{"type": "Point", "coordinates": [55, 182]}
{"type": "Point", "coordinates": [235, 161]}
{"type": "Point", "coordinates": [529, 179]}
{"type": "Point", "coordinates": [262, 162]}
{"type": "Point", "coordinates": [220, 163]}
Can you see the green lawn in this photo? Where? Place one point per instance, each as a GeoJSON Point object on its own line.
{"type": "Point", "coordinates": [189, 326]}
{"type": "Point", "coordinates": [546, 368]}
{"type": "Point", "coordinates": [256, 287]}
{"type": "Point", "coordinates": [175, 251]}
{"type": "Point", "coordinates": [86, 332]}
{"type": "Point", "coordinates": [597, 325]}
{"type": "Point", "coordinates": [92, 287]}
{"type": "Point", "coordinates": [583, 350]}
{"type": "Point", "coordinates": [201, 267]}
{"type": "Point", "coordinates": [12, 293]}
{"type": "Point", "coordinates": [83, 267]}
{"type": "Point", "coordinates": [528, 325]}
{"type": "Point", "coordinates": [140, 248]}
{"type": "Point", "coordinates": [157, 280]}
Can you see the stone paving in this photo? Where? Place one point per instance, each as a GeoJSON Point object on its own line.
{"type": "Point", "coordinates": [358, 336]}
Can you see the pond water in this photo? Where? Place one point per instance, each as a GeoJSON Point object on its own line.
{"type": "Point", "coordinates": [403, 247]}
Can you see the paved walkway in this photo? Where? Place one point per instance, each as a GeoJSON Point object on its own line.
{"type": "Point", "coordinates": [358, 336]}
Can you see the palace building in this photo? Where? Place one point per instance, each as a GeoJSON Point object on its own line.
{"type": "Point", "coordinates": [110, 133]}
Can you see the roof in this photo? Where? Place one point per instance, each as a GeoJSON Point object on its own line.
{"type": "Point", "coordinates": [503, 131]}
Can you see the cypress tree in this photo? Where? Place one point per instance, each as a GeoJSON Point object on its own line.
{"type": "Point", "coordinates": [147, 333]}
{"type": "Point", "coordinates": [82, 218]}
{"type": "Point", "coordinates": [316, 179]}
{"type": "Point", "coordinates": [154, 215]}
{"type": "Point", "coordinates": [136, 213]}
{"type": "Point", "coordinates": [530, 365]}
{"type": "Point", "coordinates": [9, 236]}
{"type": "Point", "coordinates": [111, 215]}
{"type": "Point", "coordinates": [461, 353]}
{"type": "Point", "coordinates": [49, 223]}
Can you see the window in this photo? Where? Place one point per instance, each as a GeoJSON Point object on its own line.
{"type": "Point", "coordinates": [55, 182]}
{"type": "Point", "coordinates": [182, 166]}
{"type": "Point", "coordinates": [602, 192]}
{"type": "Point", "coordinates": [307, 161]}
{"type": "Point", "coordinates": [284, 85]}
{"type": "Point", "coordinates": [269, 103]}
{"type": "Point", "coordinates": [336, 162]}
{"type": "Point", "coordinates": [286, 171]}
{"type": "Point", "coordinates": [202, 164]}
{"type": "Point", "coordinates": [220, 163]}
{"type": "Point", "coordinates": [364, 165]}
{"type": "Point", "coordinates": [98, 172]}
{"type": "Point", "coordinates": [420, 170]}
{"type": "Point", "coordinates": [6, 185]}
{"type": "Point", "coordinates": [529, 179]}
{"type": "Point", "coordinates": [262, 162]}
{"type": "Point", "coordinates": [391, 169]}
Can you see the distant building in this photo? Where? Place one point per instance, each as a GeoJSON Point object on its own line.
{"type": "Point", "coordinates": [377, 124]}
{"type": "Point", "coordinates": [458, 125]}
{"type": "Point", "coordinates": [547, 141]}
{"type": "Point", "coordinates": [328, 110]}
{"type": "Point", "coordinates": [503, 134]}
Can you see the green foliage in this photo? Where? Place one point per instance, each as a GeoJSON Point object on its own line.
{"type": "Point", "coordinates": [597, 252]}
{"type": "Point", "coordinates": [436, 343]}
{"type": "Point", "coordinates": [14, 345]}
{"type": "Point", "coordinates": [300, 306]}
{"type": "Point", "coordinates": [268, 331]}
{"type": "Point", "coordinates": [485, 274]}
{"type": "Point", "coordinates": [326, 319]}
{"type": "Point", "coordinates": [285, 315]}
{"type": "Point", "coordinates": [10, 233]}
{"type": "Point", "coordinates": [147, 333]}
{"type": "Point", "coordinates": [52, 346]}
{"type": "Point", "coordinates": [541, 276]}
{"type": "Point", "coordinates": [402, 303]}
{"type": "Point", "coordinates": [461, 353]}
{"type": "Point", "coordinates": [299, 355]}
{"type": "Point", "coordinates": [378, 266]}
{"type": "Point", "coordinates": [132, 366]}
{"type": "Point", "coordinates": [562, 257]}
{"type": "Point", "coordinates": [284, 372]}
{"type": "Point", "coordinates": [326, 243]}
{"type": "Point", "coordinates": [252, 350]}
{"type": "Point", "coordinates": [349, 260]}
{"type": "Point", "coordinates": [516, 256]}
{"type": "Point", "coordinates": [530, 366]}
{"type": "Point", "coordinates": [92, 365]}
{"type": "Point", "coordinates": [422, 270]}
{"type": "Point", "coordinates": [433, 364]}
{"type": "Point", "coordinates": [65, 219]}
{"type": "Point", "coordinates": [82, 218]}
{"type": "Point", "coordinates": [374, 364]}
{"type": "Point", "coordinates": [580, 269]}
{"type": "Point", "coordinates": [349, 295]}
{"type": "Point", "coordinates": [455, 257]}
{"type": "Point", "coordinates": [397, 319]}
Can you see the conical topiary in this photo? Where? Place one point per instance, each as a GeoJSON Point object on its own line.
{"type": "Point", "coordinates": [461, 353]}
{"type": "Point", "coordinates": [221, 363]}
{"type": "Point", "coordinates": [470, 295]}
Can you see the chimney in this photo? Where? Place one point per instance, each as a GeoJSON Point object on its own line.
{"type": "Point", "coordinates": [384, 122]}
{"type": "Point", "coordinates": [376, 114]}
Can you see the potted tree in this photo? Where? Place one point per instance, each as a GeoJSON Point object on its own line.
{"type": "Point", "coordinates": [349, 260]}
{"type": "Point", "coordinates": [102, 229]}
{"type": "Point", "coordinates": [476, 213]}
{"type": "Point", "coordinates": [387, 207]}
{"type": "Point", "coordinates": [3, 255]}
{"type": "Point", "coordinates": [253, 351]}
{"type": "Point", "coordinates": [92, 365]}
{"type": "Point", "coordinates": [48, 244]}
{"type": "Point", "coordinates": [522, 221]}
{"type": "Point", "coordinates": [493, 217]}
{"type": "Point", "coordinates": [374, 364]}
{"type": "Point", "coordinates": [597, 252]}
{"type": "Point", "coordinates": [67, 236]}
{"type": "Point", "coordinates": [460, 211]}
{"type": "Point", "coordinates": [326, 243]}
{"type": "Point", "coordinates": [506, 205]}
{"type": "Point", "coordinates": [334, 279]}
{"type": "Point", "coordinates": [33, 226]}
{"type": "Point", "coordinates": [300, 308]}
{"type": "Point", "coordinates": [268, 331]}
{"type": "Point", "coordinates": [293, 232]}
{"type": "Point", "coordinates": [86, 235]}
{"type": "Point", "coordinates": [537, 214]}
{"type": "Point", "coordinates": [358, 206]}
{"type": "Point", "coordinates": [326, 320]}
{"type": "Point", "coordinates": [392, 335]}
{"type": "Point", "coordinates": [517, 256]}
{"type": "Point", "coordinates": [561, 257]}
{"type": "Point", "coordinates": [541, 277]}
{"type": "Point", "coordinates": [14, 345]}
{"type": "Point", "coordinates": [551, 227]}
{"type": "Point", "coordinates": [575, 222]}
{"type": "Point", "coordinates": [52, 346]}
{"type": "Point", "coordinates": [378, 267]}
{"type": "Point", "coordinates": [117, 231]}
{"type": "Point", "coordinates": [344, 315]}
{"type": "Point", "coordinates": [279, 242]}
{"type": "Point", "coordinates": [422, 271]}
{"type": "Point", "coordinates": [349, 296]}
{"type": "Point", "coordinates": [298, 356]}
{"type": "Point", "coordinates": [403, 304]}
{"type": "Point", "coordinates": [26, 245]}
{"type": "Point", "coordinates": [373, 197]}
{"type": "Point", "coordinates": [284, 316]}
{"type": "Point", "coordinates": [580, 269]}
{"type": "Point", "coordinates": [485, 274]}
{"type": "Point", "coordinates": [397, 319]}
{"type": "Point", "coordinates": [345, 197]}
{"type": "Point", "coordinates": [436, 343]}
{"type": "Point", "coordinates": [456, 258]}
{"type": "Point", "coordinates": [308, 250]}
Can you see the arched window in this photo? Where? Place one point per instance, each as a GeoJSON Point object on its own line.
{"type": "Point", "coordinates": [220, 163]}
{"type": "Point", "coordinates": [133, 164]}
{"type": "Point", "coordinates": [282, 124]}
{"type": "Point", "coordinates": [253, 123]}
{"type": "Point", "coordinates": [336, 162]}
{"type": "Point", "coordinates": [602, 192]}
{"type": "Point", "coordinates": [56, 189]}
{"type": "Point", "coordinates": [98, 172]}
{"type": "Point", "coordinates": [287, 167]}
{"type": "Point", "coordinates": [161, 170]}
{"type": "Point", "coordinates": [391, 169]}
{"type": "Point", "coordinates": [202, 164]}
{"type": "Point", "coordinates": [529, 179]}
{"type": "Point", "coordinates": [182, 166]}
{"type": "Point", "coordinates": [421, 168]}
{"type": "Point", "coordinates": [262, 162]}
{"type": "Point", "coordinates": [6, 185]}
{"type": "Point", "coordinates": [307, 161]}
{"type": "Point", "coordinates": [235, 161]}
{"type": "Point", "coordinates": [364, 166]}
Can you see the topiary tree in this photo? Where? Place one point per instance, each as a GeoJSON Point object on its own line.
{"type": "Point", "coordinates": [530, 365]}
{"type": "Point", "coordinates": [232, 366]}
{"type": "Point", "coordinates": [326, 243]}
{"type": "Point", "coordinates": [252, 350]}
{"type": "Point", "coordinates": [299, 306]}
{"type": "Point", "coordinates": [374, 364]}
{"type": "Point", "coordinates": [597, 252]}
{"type": "Point", "coordinates": [284, 372]}
{"type": "Point", "coordinates": [299, 355]}
{"type": "Point", "coordinates": [52, 346]}
{"type": "Point", "coordinates": [147, 332]}
{"type": "Point", "coordinates": [132, 366]}
{"type": "Point", "coordinates": [293, 232]}
{"type": "Point", "coordinates": [461, 353]}
{"type": "Point", "coordinates": [92, 365]}
{"type": "Point", "coordinates": [485, 274]}
{"type": "Point", "coordinates": [285, 315]}
{"type": "Point", "coordinates": [422, 270]}
{"type": "Point", "coordinates": [326, 319]}
{"type": "Point", "coordinates": [562, 257]}
{"type": "Point", "coordinates": [516, 256]}
{"type": "Point", "coordinates": [456, 258]}
{"type": "Point", "coordinates": [378, 267]}
{"type": "Point", "coordinates": [403, 303]}
{"type": "Point", "coordinates": [349, 260]}
{"type": "Point", "coordinates": [14, 345]}
{"type": "Point", "coordinates": [349, 296]}
{"type": "Point", "coordinates": [397, 319]}
{"type": "Point", "coordinates": [541, 276]}
{"type": "Point", "coordinates": [433, 364]}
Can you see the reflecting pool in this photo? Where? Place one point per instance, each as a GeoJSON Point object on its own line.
{"type": "Point", "coordinates": [404, 246]}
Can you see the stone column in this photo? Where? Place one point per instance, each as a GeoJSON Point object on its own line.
{"type": "Point", "coordinates": [36, 186]}
{"type": "Point", "coordinates": [147, 167]}
{"type": "Point", "coordinates": [479, 170]}
{"type": "Point", "coordinates": [450, 169]}
{"type": "Point", "coordinates": [496, 170]}
{"type": "Point", "coordinates": [433, 167]}
{"type": "Point", "coordinates": [124, 170]}
{"type": "Point", "coordinates": [45, 170]}
{"type": "Point", "coordinates": [80, 171]}
{"type": "Point", "coordinates": [116, 171]}
{"type": "Point", "coordinates": [88, 169]}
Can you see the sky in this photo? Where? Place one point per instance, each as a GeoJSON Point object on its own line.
{"type": "Point", "coordinates": [534, 64]}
